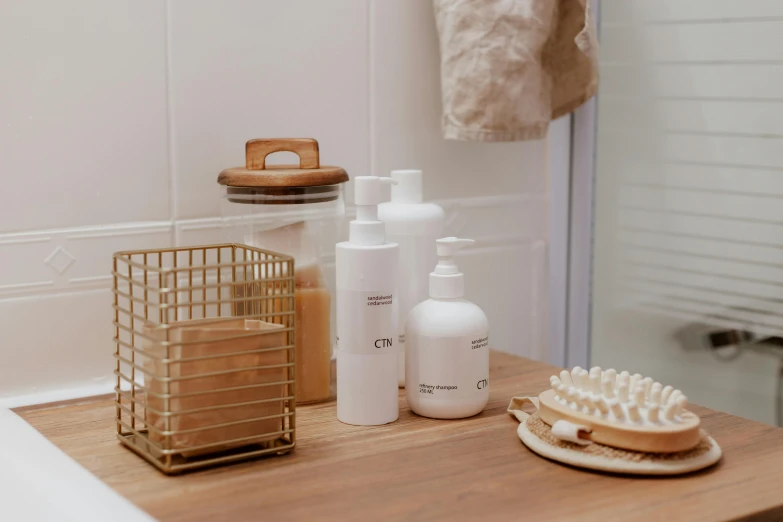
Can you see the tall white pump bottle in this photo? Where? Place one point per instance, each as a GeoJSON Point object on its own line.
{"type": "Point", "coordinates": [367, 267]}
{"type": "Point", "coordinates": [414, 225]}
{"type": "Point", "coordinates": [447, 342]}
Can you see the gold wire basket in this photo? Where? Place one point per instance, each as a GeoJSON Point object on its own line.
{"type": "Point", "coordinates": [204, 354]}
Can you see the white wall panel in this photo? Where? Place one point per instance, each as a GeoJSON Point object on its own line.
{"type": "Point", "coordinates": [82, 113]}
{"type": "Point", "coordinates": [54, 342]}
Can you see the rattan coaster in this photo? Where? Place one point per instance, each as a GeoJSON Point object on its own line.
{"type": "Point", "coordinates": [537, 435]}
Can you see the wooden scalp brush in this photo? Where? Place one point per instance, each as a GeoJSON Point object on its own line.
{"type": "Point", "coordinates": [621, 410]}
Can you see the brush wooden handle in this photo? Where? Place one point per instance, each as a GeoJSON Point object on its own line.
{"type": "Point", "coordinates": [662, 438]}
{"type": "Point", "coordinates": [256, 151]}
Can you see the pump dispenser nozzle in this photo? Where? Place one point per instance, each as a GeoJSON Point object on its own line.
{"type": "Point", "coordinates": [367, 229]}
{"type": "Point", "coordinates": [446, 281]}
{"type": "Point", "coordinates": [408, 190]}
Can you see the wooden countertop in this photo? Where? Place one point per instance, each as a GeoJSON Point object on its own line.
{"type": "Point", "coordinates": [424, 469]}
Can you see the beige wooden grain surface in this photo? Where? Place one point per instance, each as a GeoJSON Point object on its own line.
{"type": "Point", "coordinates": [421, 469]}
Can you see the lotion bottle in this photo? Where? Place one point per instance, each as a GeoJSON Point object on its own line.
{"type": "Point", "coordinates": [414, 225]}
{"type": "Point", "coordinates": [447, 344]}
{"type": "Point", "coordinates": [367, 267]}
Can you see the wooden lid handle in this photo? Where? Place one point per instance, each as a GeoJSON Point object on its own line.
{"type": "Point", "coordinates": [256, 151]}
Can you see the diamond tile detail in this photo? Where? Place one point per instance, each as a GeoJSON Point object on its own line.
{"type": "Point", "coordinates": [60, 260]}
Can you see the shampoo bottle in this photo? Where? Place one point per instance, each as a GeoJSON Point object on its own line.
{"type": "Point", "coordinates": [367, 267]}
{"type": "Point", "coordinates": [447, 343]}
{"type": "Point", "coordinates": [414, 225]}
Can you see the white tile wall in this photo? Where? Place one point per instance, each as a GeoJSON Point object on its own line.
{"type": "Point", "coordinates": [115, 119]}
{"type": "Point", "coordinates": [82, 113]}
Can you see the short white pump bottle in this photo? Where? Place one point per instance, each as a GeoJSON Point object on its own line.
{"type": "Point", "coordinates": [447, 345]}
{"type": "Point", "coordinates": [414, 225]}
{"type": "Point", "coordinates": [367, 267]}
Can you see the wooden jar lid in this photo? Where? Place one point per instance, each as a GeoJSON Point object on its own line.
{"type": "Point", "coordinates": [309, 173]}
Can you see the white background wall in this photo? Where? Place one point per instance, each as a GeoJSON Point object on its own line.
{"type": "Point", "coordinates": [688, 213]}
{"type": "Point", "coordinates": [116, 117]}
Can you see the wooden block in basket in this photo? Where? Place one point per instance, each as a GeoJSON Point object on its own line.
{"type": "Point", "coordinates": [260, 335]}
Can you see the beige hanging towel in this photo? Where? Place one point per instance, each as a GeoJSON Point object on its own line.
{"type": "Point", "coordinates": [508, 67]}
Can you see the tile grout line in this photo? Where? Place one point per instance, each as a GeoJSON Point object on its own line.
{"type": "Point", "coordinates": [173, 199]}
{"type": "Point", "coordinates": [146, 227]}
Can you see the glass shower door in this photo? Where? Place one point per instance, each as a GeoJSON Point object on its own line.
{"type": "Point", "coordinates": [687, 270]}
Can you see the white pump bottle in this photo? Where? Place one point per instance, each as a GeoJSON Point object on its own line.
{"type": "Point", "coordinates": [447, 345]}
{"type": "Point", "coordinates": [414, 225]}
{"type": "Point", "coordinates": [367, 268]}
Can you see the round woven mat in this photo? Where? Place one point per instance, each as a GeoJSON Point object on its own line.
{"type": "Point", "coordinates": [537, 435]}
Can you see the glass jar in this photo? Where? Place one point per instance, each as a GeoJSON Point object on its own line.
{"type": "Point", "coordinates": [298, 211]}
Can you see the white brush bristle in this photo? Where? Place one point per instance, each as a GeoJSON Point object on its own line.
{"type": "Point", "coordinates": [620, 397]}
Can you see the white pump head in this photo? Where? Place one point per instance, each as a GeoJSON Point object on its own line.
{"type": "Point", "coordinates": [446, 281]}
{"type": "Point", "coordinates": [408, 189]}
{"type": "Point", "coordinates": [367, 229]}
